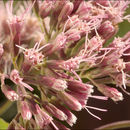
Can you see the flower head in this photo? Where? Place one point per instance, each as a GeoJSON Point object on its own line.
{"type": "Point", "coordinates": [61, 52]}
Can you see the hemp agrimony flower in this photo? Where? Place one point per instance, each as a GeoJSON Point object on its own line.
{"type": "Point", "coordinates": [48, 48]}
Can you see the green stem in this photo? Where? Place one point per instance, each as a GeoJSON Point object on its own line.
{"type": "Point", "coordinates": [93, 82]}
{"type": "Point", "coordinates": [43, 27]}
{"type": "Point", "coordinates": [45, 30]}
{"type": "Point", "coordinates": [115, 125]}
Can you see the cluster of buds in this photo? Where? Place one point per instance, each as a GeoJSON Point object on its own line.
{"type": "Point", "coordinates": [52, 48]}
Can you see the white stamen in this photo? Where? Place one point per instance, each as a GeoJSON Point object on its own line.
{"type": "Point", "coordinates": [21, 47]}
{"type": "Point", "coordinates": [95, 108]}
{"type": "Point", "coordinates": [43, 47]}
{"type": "Point", "coordinates": [124, 90]}
{"type": "Point", "coordinates": [54, 125]}
{"type": "Point", "coordinates": [123, 79]}
{"type": "Point", "coordinates": [92, 114]}
{"type": "Point", "coordinates": [76, 75]}
{"type": "Point", "coordinates": [99, 97]}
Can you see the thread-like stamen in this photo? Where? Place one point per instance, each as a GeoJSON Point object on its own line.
{"type": "Point", "coordinates": [107, 49]}
{"type": "Point", "coordinates": [127, 17]}
{"type": "Point", "coordinates": [99, 97]}
{"type": "Point", "coordinates": [127, 62]}
{"type": "Point", "coordinates": [123, 79]}
{"type": "Point", "coordinates": [124, 90]}
{"type": "Point", "coordinates": [95, 108]}
{"type": "Point", "coordinates": [70, 19]}
{"type": "Point", "coordinates": [54, 125]}
{"type": "Point", "coordinates": [66, 24]}
{"type": "Point", "coordinates": [20, 47]}
{"type": "Point", "coordinates": [27, 10]}
{"type": "Point", "coordinates": [92, 114]}
{"type": "Point", "coordinates": [76, 75]}
{"type": "Point", "coordinates": [11, 6]}
{"type": "Point", "coordinates": [35, 46]}
{"type": "Point", "coordinates": [43, 47]}
{"type": "Point", "coordinates": [39, 44]}
{"type": "Point", "coordinates": [86, 46]}
{"type": "Point", "coordinates": [27, 86]}
{"type": "Point", "coordinates": [126, 54]}
{"type": "Point", "coordinates": [127, 75]}
{"type": "Point", "coordinates": [106, 52]}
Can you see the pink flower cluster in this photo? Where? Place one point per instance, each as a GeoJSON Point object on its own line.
{"type": "Point", "coordinates": [50, 46]}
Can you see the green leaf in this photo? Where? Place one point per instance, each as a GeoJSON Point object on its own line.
{"type": "Point", "coordinates": [3, 124]}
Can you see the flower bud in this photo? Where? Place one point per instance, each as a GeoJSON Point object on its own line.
{"type": "Point", "coordinates": [66, 11]}
{"type": "Point", "coordinates": [52, 83]}
{"type": "Point", "coordinates": [25, 111]}
{"type": "Point", "coordinates": [73, 20]}
{"type": "Point", "coordinates": [73, 35]}
{"type": "Point", "coordinates": [46, 8]}
{"type": "Point", "coordinates": [77, 86]}
{"type": "Point", "coordinates": [69, 100]}
{"type": "Point", "coordinates": [58, 43]}
{"type": "Point", "coordinates": [76, 4]}
{"type": "Point", "coordinates": [83, 8]}
{"type": "Point", "coordinates": [107, 30]}
{"type": "Point", "coordinates": [113, 93]}
{"type": "Point", "coordinates": [15, 77]}
{"type": "Point", "coordinates": [9, 93]}
{"type": "Point", "coordinates": [81, 97]}
{"type": "Point", "coordinates": [71, 118]}
{"type": "Point", "coordinates": [55, 112]}
{"type": "Point", "coordinates": [42, 118]}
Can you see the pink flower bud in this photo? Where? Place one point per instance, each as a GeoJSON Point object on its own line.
{"type": "Point", "coordinates": [95, 43]}
{"type": "Point", "coordinates": [66, 11]}
{"type": "Point", "coordinates": [73, 35]}
{"type": "Point", "coordinates": [83, 8]}
{"type": "Point", "coordinates": [46, 8]}
{"type": "Point", "coordinates": [15, 77]}
{"type": "Point", "coordinates": [76, 4]}
{"type": "Point", "coordinates": [42, 118]}
{"type": "Point", "coordinates": [32, 56]}
{"type": "Point", "coordinates": [52, 83]}
{"type": "Point", "coordinates": [78, 86]}
{"type": "Point", "coordinates": [81, 97]}
{"type": "Point", "coordinates": [113, 93]}
{"type": "Point", "coordinates": [69, 100]}
{"type": "Point", "coordinates": [32, 106]}
{"type": "Point", "coordinates": [9, 93]}
{"type": "Point", "coordinates": [73, 20]}
{"type": "Point", "coordinates": [55, 112]}
{"type": "Point", "coordinates": [71, 118]}
{"type": "Point", "coordinates": [107, 30]}
{"type": "Point", "coordinates": [58, 43]}
{"type": "Point", "coordinates": [25, 111]}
